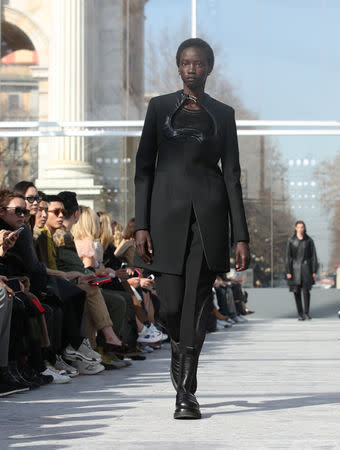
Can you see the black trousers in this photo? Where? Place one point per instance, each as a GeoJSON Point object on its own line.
{"type": "Point", "coordinates": [186, 299]}
{"type": "Point", "coordinates": [298, 300]}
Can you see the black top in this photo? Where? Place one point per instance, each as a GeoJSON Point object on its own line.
{"type": "Point", "coordinates": [193, 119]}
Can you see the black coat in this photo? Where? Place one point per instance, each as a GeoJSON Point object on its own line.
{"type": "Point", "coordinates": [177, 171]}
{"type": "Point", "coordinates": [301, 261]}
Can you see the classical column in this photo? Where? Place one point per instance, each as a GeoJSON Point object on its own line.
{"type": "Point", "coordinates": [68, 167]}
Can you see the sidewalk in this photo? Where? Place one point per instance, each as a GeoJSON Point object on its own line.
{"type": "Point", "coordinates": [265, 384]}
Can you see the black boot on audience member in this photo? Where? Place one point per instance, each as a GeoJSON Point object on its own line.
{"type": "Point", "coordinates": [187, 406]}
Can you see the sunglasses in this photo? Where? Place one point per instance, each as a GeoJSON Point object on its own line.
{"type": "Point", "coordinates": [18, 211]}
{"type": "Point", "coordinates": [57, 211]}
{"type": "Point", "coordinates": [33, 198]}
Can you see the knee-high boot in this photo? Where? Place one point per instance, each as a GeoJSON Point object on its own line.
{"type": "Point", "coordinates": [202, 318]}
{"type": "Point", "coordinates": [187, 406]}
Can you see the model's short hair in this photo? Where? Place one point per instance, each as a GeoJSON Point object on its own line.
{"type": "Point", "coordinates": [69, 199]}
{"type": "Point", "coordinates": [198, 43]}
{"type": "Point", "coordinates": [53, 198]}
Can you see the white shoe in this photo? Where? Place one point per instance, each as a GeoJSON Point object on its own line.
{"type": "Point", "coordinates": [231, 321]}
{"type": "Point", "coordinates": [67, 368]}
{"type": "Point", "coordinates": [241, 319]}
{"type": "Point", "coordinates": [219, 326]}
{"type": "Point", "coordinates": [223, 323]}
{"type": "Point", "coordinates": [84, 353]}
{"type": "Point", "coordinates": [163, 336]}
{"type": "Point", "coordinates": [146, 349]}
{"type": "Point", "coordinates": [58, 378]}
{"type": "Point", "coordinates": [147, 336]}
{"type": "Point", "coordinates": [88, 369]}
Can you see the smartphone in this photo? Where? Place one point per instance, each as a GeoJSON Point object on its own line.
{"type": "Point", "coordinates": [14, 284]}
{"type": "Point", "coordinates": [18, 231]}
{"type": "Point", "coordinates": [124, 265]}
{"type": "Point", "coordinates": [100, 280]}
{"type": "Point", "coordinates": [151, 276]}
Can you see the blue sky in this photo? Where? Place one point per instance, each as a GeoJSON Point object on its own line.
{"type": "Point", "coordinates": [282, 57]}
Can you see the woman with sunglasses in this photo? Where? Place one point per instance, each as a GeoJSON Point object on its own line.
{"type": "Point", "coordinates": [32, 200]}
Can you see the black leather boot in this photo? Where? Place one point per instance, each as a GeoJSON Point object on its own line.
{"type": "Point", "coordinates": [174, 366]}
{"type": "Point", "coordinates": [187, 406]}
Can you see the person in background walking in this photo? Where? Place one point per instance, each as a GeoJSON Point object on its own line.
{"type": "Point", "coordinates": [301, 267]}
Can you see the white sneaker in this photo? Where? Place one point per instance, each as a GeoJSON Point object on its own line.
{"type": "Point", "coordinates": [88, 369]}
{"type": "Point", "coordinates": [156, 331]}
{"type": "Point", "coordinates": [146, 348]}
{"type": "Point", "coordinates": [58, 378]}
{"type": "Point", "coordinates": [67, 368]}
{"type": "Point", "coordinates": [241, 319]}
{"type": "Point", "coordinates": [147, 336]}
{"type": "Point", "coordinates": [84, 353]}
{"type": "Point", "coordinates": [231, 321]}
{"type": "Point", "coordinates": [219, 326]}
{"type": "Point", "coordinates": [223, 324]}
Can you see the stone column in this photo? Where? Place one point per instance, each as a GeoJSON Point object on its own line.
{"type": "Point", "coordinates": [68, 167]}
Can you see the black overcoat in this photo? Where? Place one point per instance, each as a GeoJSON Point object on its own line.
{"type": "Point", "coordinates": [301, 261]}
{"type": "Point", "coordinates": [178, 171]}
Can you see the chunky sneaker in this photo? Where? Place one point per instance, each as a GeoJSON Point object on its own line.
{"type": "Point", "coordinates": [147, 336]}
{"type": "Point", "coordinates": [111, 361]}
{"type": "Point", "coordinates": [146, 348]}
{"type": "Point", "coordinates": [84, 353]}
{"type": "Point", "coordinates": [67, 368]}
{"type": "Point", "coordinates": [231, 321]}
{"type": "Point", "coordinates": [241, 319]}
{"type": "Point", "coordinates": [88, 369]}
{"type": "Point", "coordinates": [157, 332]}
{"type": "Point", "coordinates": [58, 378]}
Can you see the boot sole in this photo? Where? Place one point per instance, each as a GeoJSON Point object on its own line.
{"type": "Point", "coordinates": [187, 414]}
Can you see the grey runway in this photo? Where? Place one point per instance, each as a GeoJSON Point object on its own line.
{"type": "Point", "coordinates": [269, 383]}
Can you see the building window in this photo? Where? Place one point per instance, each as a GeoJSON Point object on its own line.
{"type": "Point", "coordinates": [13, 103]}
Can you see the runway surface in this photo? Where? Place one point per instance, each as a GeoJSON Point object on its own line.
{"type": "Point", "coordinates": [273, 382]}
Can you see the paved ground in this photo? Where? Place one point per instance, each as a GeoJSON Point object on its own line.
{"type": "Point", "coordinates": [270, 383]}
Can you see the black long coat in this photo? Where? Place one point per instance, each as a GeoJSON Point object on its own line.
{"type": "Point", "coordinates": [301, 261]}
{"type": "Point", "coordinates": [177, 171]}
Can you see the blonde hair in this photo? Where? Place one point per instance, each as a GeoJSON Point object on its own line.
{"type": "Point", "coordinates": [106, 235]}
{"type": "Point", "coordinates": [117, 235]}
{"type": "Point", "coordinates": [88, 225]}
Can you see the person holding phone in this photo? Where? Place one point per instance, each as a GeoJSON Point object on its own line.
{"type": "Point", "coordinates": [183, 200]}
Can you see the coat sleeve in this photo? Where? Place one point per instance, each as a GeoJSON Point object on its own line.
{"type": "Point", "coordinates": [289, 261]}
{"type": "Point", "coordinates": [231, 173]}
{"type": "Point", "coordinates": [145, 169]}
{"type": "Point", "coordinates": [315, 264]}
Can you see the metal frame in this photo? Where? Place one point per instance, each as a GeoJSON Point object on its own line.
{"type": "Point", "coordinates": [134, 128]}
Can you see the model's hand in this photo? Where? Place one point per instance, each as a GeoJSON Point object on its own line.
{"type": "Point", "coordinates": [289, 276]}
{"type": "Point", "coordinates": [242, 256]}
{"type": "Point", "coordinates": [144, 245]}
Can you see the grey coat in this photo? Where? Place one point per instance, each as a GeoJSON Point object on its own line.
{"type": "Point", "coordinates": [178, 171]}
{"type": "Point", "coordinates": [301, 261]}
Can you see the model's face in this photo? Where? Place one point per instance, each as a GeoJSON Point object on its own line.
{"type": "Point", "coordinates": [42, 214]}
{"type": "Point", "coordinates": [193, 67]}
{"type": "Point", "coordinates": [55, 217]}
{"type": "Point", "coordinates": [300, 228]}
{"type": "Point", "coordinates": [32, 200]}
{"type": "Point", "coordinates": [14, 213]}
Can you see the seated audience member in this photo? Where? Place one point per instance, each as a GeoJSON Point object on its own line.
{"type": "Point", "coordinates": [147, 332]}
{"type": "Point", "coordinates": [32, 200]}
{"type": "Point", "coordinates": [7, 384]}
{"type": "Point", "coordinates": [97, 317]}
{"type": "Point", "coordinates": [117, 233]}
{"type": "Point", "coordinates": [69, 299]}
{"type": "Point", "coordinates": [126, 248]}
